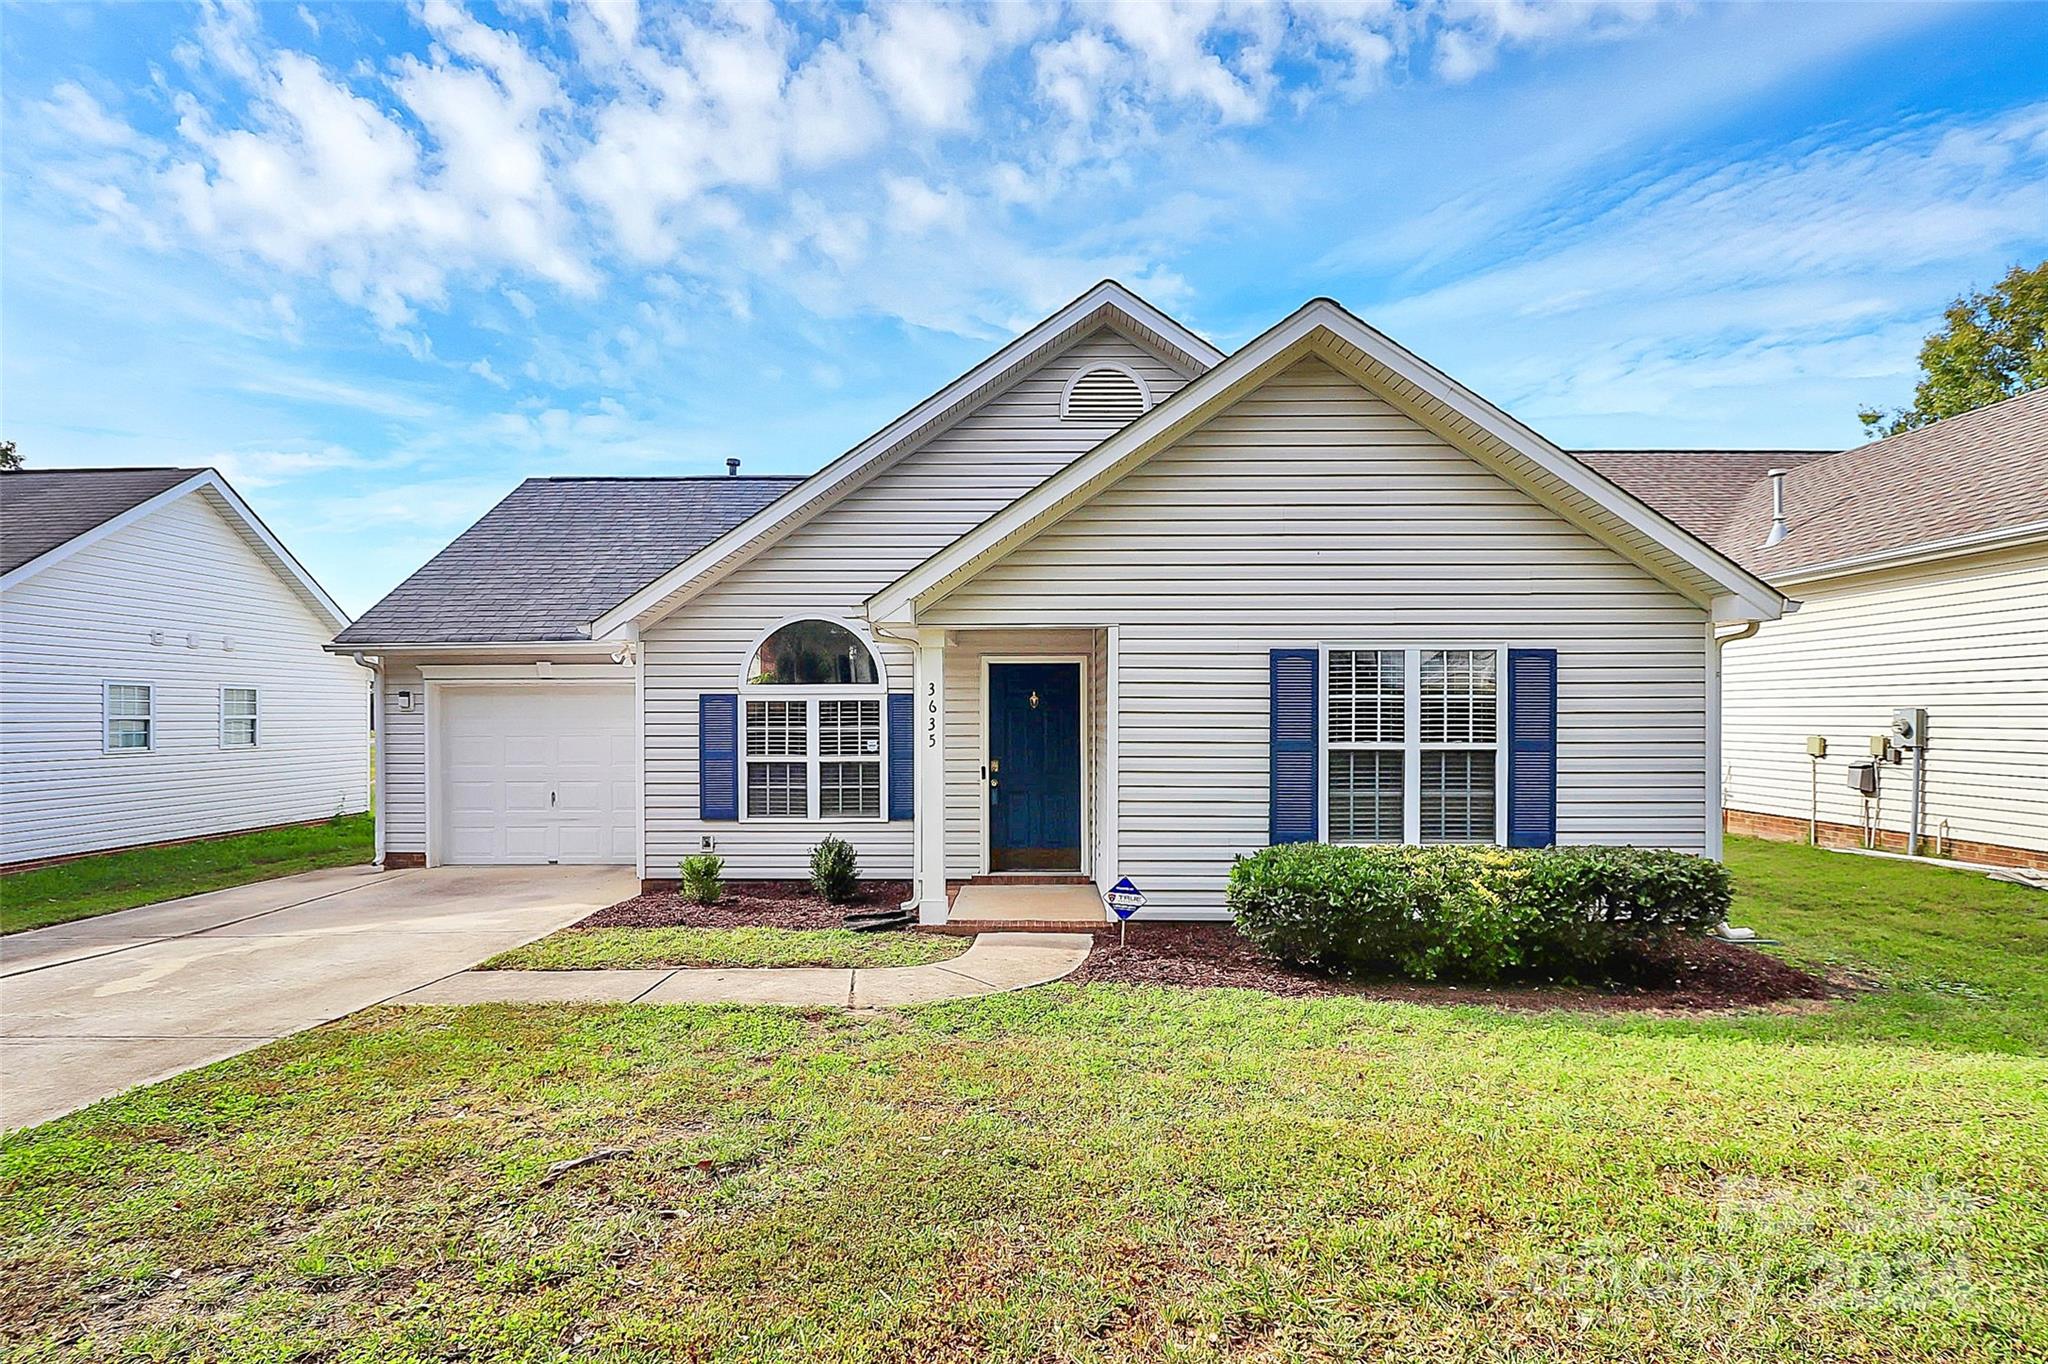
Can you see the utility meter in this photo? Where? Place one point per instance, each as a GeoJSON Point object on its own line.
{"type": "Point", "coordinates": [1816, 746]}
{"type": "Point", "coordinates": [1863, 778]}
{"type": "Point", "coordinates": [1909, 726]}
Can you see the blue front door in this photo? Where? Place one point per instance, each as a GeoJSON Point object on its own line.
{"type": "Point", "coordinates": [1034, 766]}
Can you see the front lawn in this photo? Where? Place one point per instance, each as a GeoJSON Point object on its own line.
{"type": "Point", "coordinates": [106, 882]}
{"type": "Point", "coordinates": [1100, 1172]}
{"type": "Point", "coordinates": [576, 949]}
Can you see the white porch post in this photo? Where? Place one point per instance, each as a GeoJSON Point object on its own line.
{"type": "Point", "coordinates": [931, 776]}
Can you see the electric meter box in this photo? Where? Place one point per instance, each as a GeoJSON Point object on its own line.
{"type": "Point", "coordinates": [1816, 746]}
{"type": "Point", "coordinates": [1909, 726]}
{"type": "Point", "coordinates": [1863, 778]}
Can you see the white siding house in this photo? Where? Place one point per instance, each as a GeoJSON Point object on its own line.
{"type": "Point", "coordinates": [1920, 565]}
{"type": "Point", "coordinates": [161, 669]}
{"type": "Point", "coordinates": [1110, 604]}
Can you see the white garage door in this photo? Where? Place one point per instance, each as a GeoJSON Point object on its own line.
{"type": "Point", "coordinates": [536, 774]}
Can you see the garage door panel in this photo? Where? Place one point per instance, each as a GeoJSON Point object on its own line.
{"type": "Point", "coordinates": [530, 750]}
{"type": "Point", "coordinates": [536, 774]}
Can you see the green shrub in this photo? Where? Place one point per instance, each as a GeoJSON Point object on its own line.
{"type": "Point", "coordinates": [704, 878]}
{"type": "Point", "coordinates": [1474, 912]}
{"type": "Point", "coordinates": [835, 870]}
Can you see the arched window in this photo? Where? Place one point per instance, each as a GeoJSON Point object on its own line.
{"type": "Point", "coordinates": [812, 653]}
{"type": "Point", "coordinates": [813, 725]}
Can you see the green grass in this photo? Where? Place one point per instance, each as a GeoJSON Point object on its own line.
{"type": "Point", "coordinates": [1098, 1173]}
{"type": "Point", "coordinates": [122, 880]}
{"type": "Point", "coordinates": [575, 949]}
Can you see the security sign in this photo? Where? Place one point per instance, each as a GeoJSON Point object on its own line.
{"type": "Point", "coordinates": [1124, 898]}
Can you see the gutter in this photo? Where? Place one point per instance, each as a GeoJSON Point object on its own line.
{"type": "Point", "coordinates": [2002, 538]}
{"type": "Point", "coordinates": [376, 666]}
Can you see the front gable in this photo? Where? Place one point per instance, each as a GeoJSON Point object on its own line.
{"type": "Point", "coordinates": [1312, 500]}
{"type": "Point", "coordinates": [1425, 397]}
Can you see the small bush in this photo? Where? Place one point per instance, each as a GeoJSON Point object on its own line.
{"type": "Point", "coordinates": [1475, 912]}
{"type": "Point", "coordinates": [835, 870]}
{"type": "Point", "coordinates": [704, 878]}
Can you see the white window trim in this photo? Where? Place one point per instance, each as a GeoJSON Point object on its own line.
{"type": "Point", "coordinates": [221, 731]}
{"type": "Point", "coordinates": [1412, 648]}
{"type": "Point", "coordinates": [811, 760]}
{"type": "Point", "coordinates": [810, 695]}
{"type": "Point", "coordinates": [107, 716]}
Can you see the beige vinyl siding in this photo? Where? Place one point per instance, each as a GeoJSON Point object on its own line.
{"type": "Point", "coordinates": [402, 759]}
{"type": "Point", "coordinates": [1965, 638]}
{"type": "Point", "coordinates": [828, 567]}
{"type": "Point", "coordinates": [1315, 512]}
{"type": "Point", "coordinates": [225, 619]}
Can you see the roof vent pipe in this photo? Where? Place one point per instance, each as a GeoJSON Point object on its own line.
{"type": "Point", "coordinates": [1780, 527]}
{"type": "Point", "coordinates": [732, 466]}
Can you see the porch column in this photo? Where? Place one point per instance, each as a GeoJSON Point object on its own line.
{"type": "Point", "coordinates": [931, 776]}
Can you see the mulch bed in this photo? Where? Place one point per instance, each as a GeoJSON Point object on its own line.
{"type": "Point", "coordinates": [1688, 973]}
{"type": "Point", "coordinates": [748, 904]}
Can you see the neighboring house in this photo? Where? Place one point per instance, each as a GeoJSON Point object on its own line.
{"type": "Point", "coordinates": [1110, 604]}
{"type": "Point", "coordinates": [1921, 567]}
{"type": "Point", "coordinates": [162, 675]}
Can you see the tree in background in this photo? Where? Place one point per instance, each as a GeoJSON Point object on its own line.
{"type": "Point", "coordinates": [1991, 346]}
{"type": "Point", "coordinates": [10, 458]}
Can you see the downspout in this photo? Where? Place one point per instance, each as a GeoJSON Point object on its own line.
{"type": "Point", "coordinates": [376, 666]}
{"type": "Point", "coordinates": [1716, 817]}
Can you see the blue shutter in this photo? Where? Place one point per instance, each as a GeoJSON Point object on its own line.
{"type": "Point", "coordinates": [1292, 800]}
{"type": "Point", "coordinates": [718, 756]}
{"type": "Point", "coordinates": [1532, 748]}
{"type": "Point", "coordinates": [902, 762]}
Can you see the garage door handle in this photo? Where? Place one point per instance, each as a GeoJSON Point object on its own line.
{"type": "Point", "coordinates": [551, 798]}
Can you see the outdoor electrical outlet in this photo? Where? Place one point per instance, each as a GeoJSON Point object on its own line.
{"type": "Point", "coordinates": [706, 843]}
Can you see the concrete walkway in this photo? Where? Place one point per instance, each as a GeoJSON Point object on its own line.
{"type": "Point", "coordinates": [95, 1007]}
{"type": "Point", "coordinates": [992, 964]}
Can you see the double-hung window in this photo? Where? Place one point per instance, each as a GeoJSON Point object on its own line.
{"type": "Point", "coordinates": [130, 711]}
{"type": "Point", "coordinates": [238, 707]}
{"type": "Point", "coordinates": [812, 726]}
{"type": "Point", "coordinates": [1413, 745]}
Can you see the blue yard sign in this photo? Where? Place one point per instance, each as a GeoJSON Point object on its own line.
{"type": "Point", "coordinates": [1125, 898]}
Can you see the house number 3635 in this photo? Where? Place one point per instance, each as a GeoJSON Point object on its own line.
{"type": "Point", "coordinates": [931, 714]}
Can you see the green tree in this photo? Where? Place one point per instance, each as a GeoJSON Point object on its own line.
{"type": "Point", "coordinates": [10, 458]}
{"type": "Point", "coordinates": [1991, 346]}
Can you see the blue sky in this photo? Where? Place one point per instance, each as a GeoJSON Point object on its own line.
{"type": "Point", "coordinates": [379, 262]}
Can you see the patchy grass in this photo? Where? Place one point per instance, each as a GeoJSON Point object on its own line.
{"type": "Point", "coordinates": [574, 949]}
{"type": "Point", "coordinates": [106, 882]}
{"type": "Point", "coordinates": [1095, 1172]}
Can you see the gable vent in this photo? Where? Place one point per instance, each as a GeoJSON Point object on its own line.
{"type": "Point", "coordinates": [1108, 394]}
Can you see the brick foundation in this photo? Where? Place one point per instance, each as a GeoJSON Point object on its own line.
{"type": "Point", "coordinates": [1785, 829]}
{"type": "Point", "coordinates": [398, 861]}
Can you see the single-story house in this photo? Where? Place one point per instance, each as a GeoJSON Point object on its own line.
{"type": "Point", "coordinates": [1921, 566]}
{"type": "Point", "coordinates": [162, 659]}
{"type": "Point", "coordinates": [1110, 604]}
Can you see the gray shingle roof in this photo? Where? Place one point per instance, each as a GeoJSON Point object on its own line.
{"type": "Point", "coordinates": [42, 509]}
{"type": "Point", "coordinates": [555, 554]}
{"type": "Point", "coordinates": [1699, 489]}
{"type": "Point", "coordinates": [1977, 473]}
{"type": "Point", "coordinates": [1972, 474]}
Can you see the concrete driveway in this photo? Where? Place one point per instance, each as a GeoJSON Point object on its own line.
{"type": "Point", "coordinates": [92, 1008]}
